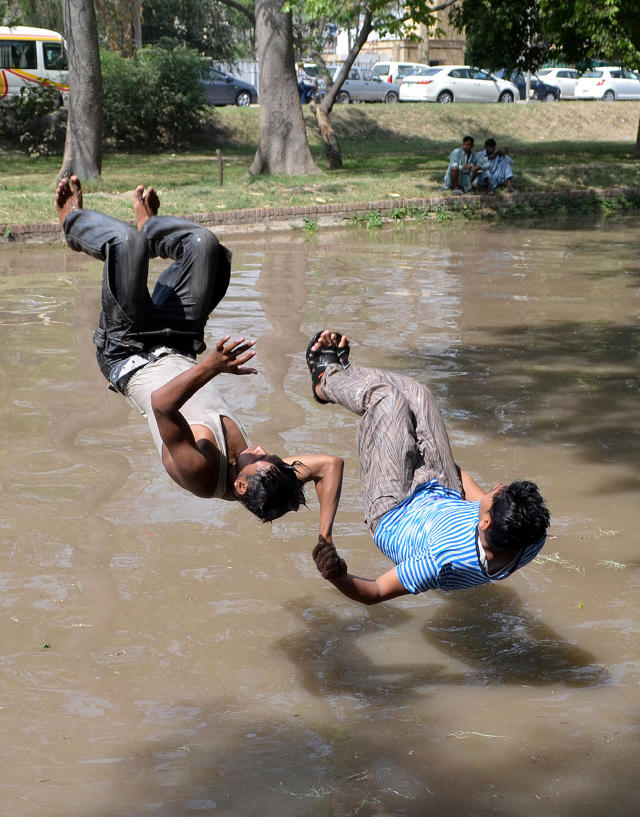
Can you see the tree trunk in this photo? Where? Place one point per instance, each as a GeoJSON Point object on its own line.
{"type": "Point", "coordinates": [331, 144]}
{"type": "Point", "coordinates": [638, 141]}
{"type": "Point", "coordinates": [282, 143]}
{"type": "Point", "coordinates": [83, 144]}
{"type": "Point", "coordinates": [137, 25]}
{"type": "Point", "coordinates": [332, 148]}
{"type": "Point", "coordinates": [423, 44]}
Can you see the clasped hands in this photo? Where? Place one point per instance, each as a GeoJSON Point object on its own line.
{"type": "Point", "coordinates": [328, 562]}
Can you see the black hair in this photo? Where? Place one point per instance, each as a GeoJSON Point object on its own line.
{"type": "Point", "coordinates": [274, 491]}
{"type": "Point", "coordinates": [489, 143]}
{"type": "Point", "coordinates": [468, 139]}
{"type": "Point", "coordinates": [519, 516]}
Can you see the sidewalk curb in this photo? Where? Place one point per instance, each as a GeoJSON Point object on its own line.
{"type": "Point", "coordinates": [263, 219]}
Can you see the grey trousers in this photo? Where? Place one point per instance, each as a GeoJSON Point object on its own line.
{"type": "Point", "coordinates": [402, 440]}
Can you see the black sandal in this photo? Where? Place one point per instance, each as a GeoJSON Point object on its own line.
{"type": "Point", "coordinates": [343, 354]}
{"type": "Point", "coordinates": [317, 361]}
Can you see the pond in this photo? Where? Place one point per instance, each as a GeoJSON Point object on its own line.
{"type": "Point", "coordinates": [165, 655]}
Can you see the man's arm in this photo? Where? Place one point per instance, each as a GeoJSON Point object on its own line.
{"type": "Point", "coordinates": [470, 488]}
{"type": "Point", "coordinates": [483, 161]}
{"type": "Point", "coordinates": [366, 591]}
{"type": "Point", "coordinates": [191, 464]}
{"type": "Point", "coordinates": [326, 473]}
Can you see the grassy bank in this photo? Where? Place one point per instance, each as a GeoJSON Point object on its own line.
{"type": "Point", "coordinates": [389, 151]}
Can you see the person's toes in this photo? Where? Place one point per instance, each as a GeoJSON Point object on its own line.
{"type": "Point", "coordinates": [153, 201]}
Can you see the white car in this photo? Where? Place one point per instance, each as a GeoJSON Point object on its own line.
{"type": "Point", "coordinates": [456, 83]}
{"type": "Point", "coordinates": [394, 71]}
{"type": "Point", "coordinates": [608, 82]}
{"type": "Point", "coordinates": [563, 78]}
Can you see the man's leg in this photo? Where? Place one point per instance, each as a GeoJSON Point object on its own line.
{"type": "Point", "coordinates": [125, 298]}
{"type": "Point", "coordinates": [107, 239]}
{"type": "Point", "coordinates": [190, 288]}
{"type": "Point", "coordinates": [436, 457]}
{"type": "Point", "coordinates": [386, 439]}
{"type": "Point", "coordinates": [402, 439]}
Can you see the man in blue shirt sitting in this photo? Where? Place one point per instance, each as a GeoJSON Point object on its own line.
{"type": "Point", "coordinates": [426, 514]}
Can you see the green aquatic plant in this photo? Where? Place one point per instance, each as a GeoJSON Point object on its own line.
{"type": "Point", "coordinates": [309, 225]}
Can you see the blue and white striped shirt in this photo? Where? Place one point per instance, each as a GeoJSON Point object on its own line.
{"type": "Point", "coordinates": [432, 538]}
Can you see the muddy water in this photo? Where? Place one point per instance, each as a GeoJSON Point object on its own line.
{"type": "Point", "coordinates": [169, 656]}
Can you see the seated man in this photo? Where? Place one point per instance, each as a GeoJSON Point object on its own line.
{"type": "Point", "coordinates": [465, 165]}
{"type": "Point", "coordinates": [500, 168]}
{"type": "Point", "coordinates": [147, 347]}
{"type": "Point", "coordinates": [429, 517]}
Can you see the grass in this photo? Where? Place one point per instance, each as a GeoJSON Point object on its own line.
{"type": "Point", "coordinates": [389, 151]}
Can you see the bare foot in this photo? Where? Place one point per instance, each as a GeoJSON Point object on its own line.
{"type": "Point", "coordinates": [145, 206]}
{"type": "Point", "coordinates": [329, 338]}
{"type": "Point", "coordinates": [68, 197]}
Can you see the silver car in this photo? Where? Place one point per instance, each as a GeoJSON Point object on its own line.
{"type": "Point", "coordinates": [363, 86]}
{"type": "Point", "coordinates": [608, 82]}
{"type": "Point", "coordinates": [563, 78]}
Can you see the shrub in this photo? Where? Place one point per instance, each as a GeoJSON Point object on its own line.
{"type": "Point", "coordinates": [33, 121]}
{"type": "Point", "coordinates": [152, 100]}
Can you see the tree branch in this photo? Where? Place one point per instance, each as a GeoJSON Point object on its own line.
{"type": "Point", "coordinates": [365, 29]}
{"type": "Point", "coordinates": [444, 5]}
{"type": "Point", "coordinates": [242, 9]}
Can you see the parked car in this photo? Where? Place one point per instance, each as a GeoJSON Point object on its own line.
{"type": "Point", "coordinates": [30, 57]}
{"type": "Point", "coordinates": [608, 83]}
{"type": "Point", "coordinates": [563, 78]}
{"type": "Point", "coordinates": [456, 83]}
{"type": "Point", "coordinates": [363, 86]}
{"type": "Point", "coordinates": [312, 69]}
{"type": "Point", "coordinates": [394, 71]}
{"type": "Point", "coordinates": [223, 89]}
{"type": "Point", "coordinates": [539, 89]}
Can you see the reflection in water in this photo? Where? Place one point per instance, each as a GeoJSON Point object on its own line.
{"type": "Point", "coordinates": [169, 656]}
{"type": "Point", "coordinates": [493, 633]}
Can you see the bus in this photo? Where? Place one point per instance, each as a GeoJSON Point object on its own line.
{"type": "Point", "coordinates": [32, 56]}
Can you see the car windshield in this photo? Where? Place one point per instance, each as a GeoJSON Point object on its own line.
{"type": "Point", "coordinates": [544, 72]}
{"type": "Point", "coordinates": [592, 74]}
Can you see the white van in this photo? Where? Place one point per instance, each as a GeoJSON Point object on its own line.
{"type": "Point", "coordinates": [394, 71]}
{"type": "Point", "coordinates": [31, 56]}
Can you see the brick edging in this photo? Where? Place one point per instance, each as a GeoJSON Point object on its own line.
{"type": "Point", "coordinates": [344, 211]}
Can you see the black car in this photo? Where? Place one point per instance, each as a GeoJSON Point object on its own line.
{"type": "Point", "coordinates": [223, 89]}
{"type": "Point", "coordinates": [539, 89]}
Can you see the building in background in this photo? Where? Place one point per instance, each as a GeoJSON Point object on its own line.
{"type": "Point", "coordinates": [446, 49]}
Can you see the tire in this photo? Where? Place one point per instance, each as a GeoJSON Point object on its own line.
{"type": "Point", "coordinates": [445, 98]}
{"type": "Point", "coordinates": [549, 97]}
{"type": "Point", "coordinates": [343, 98]}
{"type": "Point", "coordinates": [608, 96]}
{"type": "Point", "coordinates": [391, 98]}
{"type": "Point", "coordinates": [505, 96]}
{"type": "Point", "coordinates": [243, 99]}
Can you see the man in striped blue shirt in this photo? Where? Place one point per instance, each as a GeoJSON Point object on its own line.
{"type": "Point", "coordinates": [426, 514]}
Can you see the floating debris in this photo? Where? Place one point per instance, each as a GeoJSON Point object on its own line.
{"type": "Point", "coordinates": [465, 735]}
{"type": "Point", "coordinates": [610, 563]}
{"type": "Point", "coordinates": [556, 559]}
